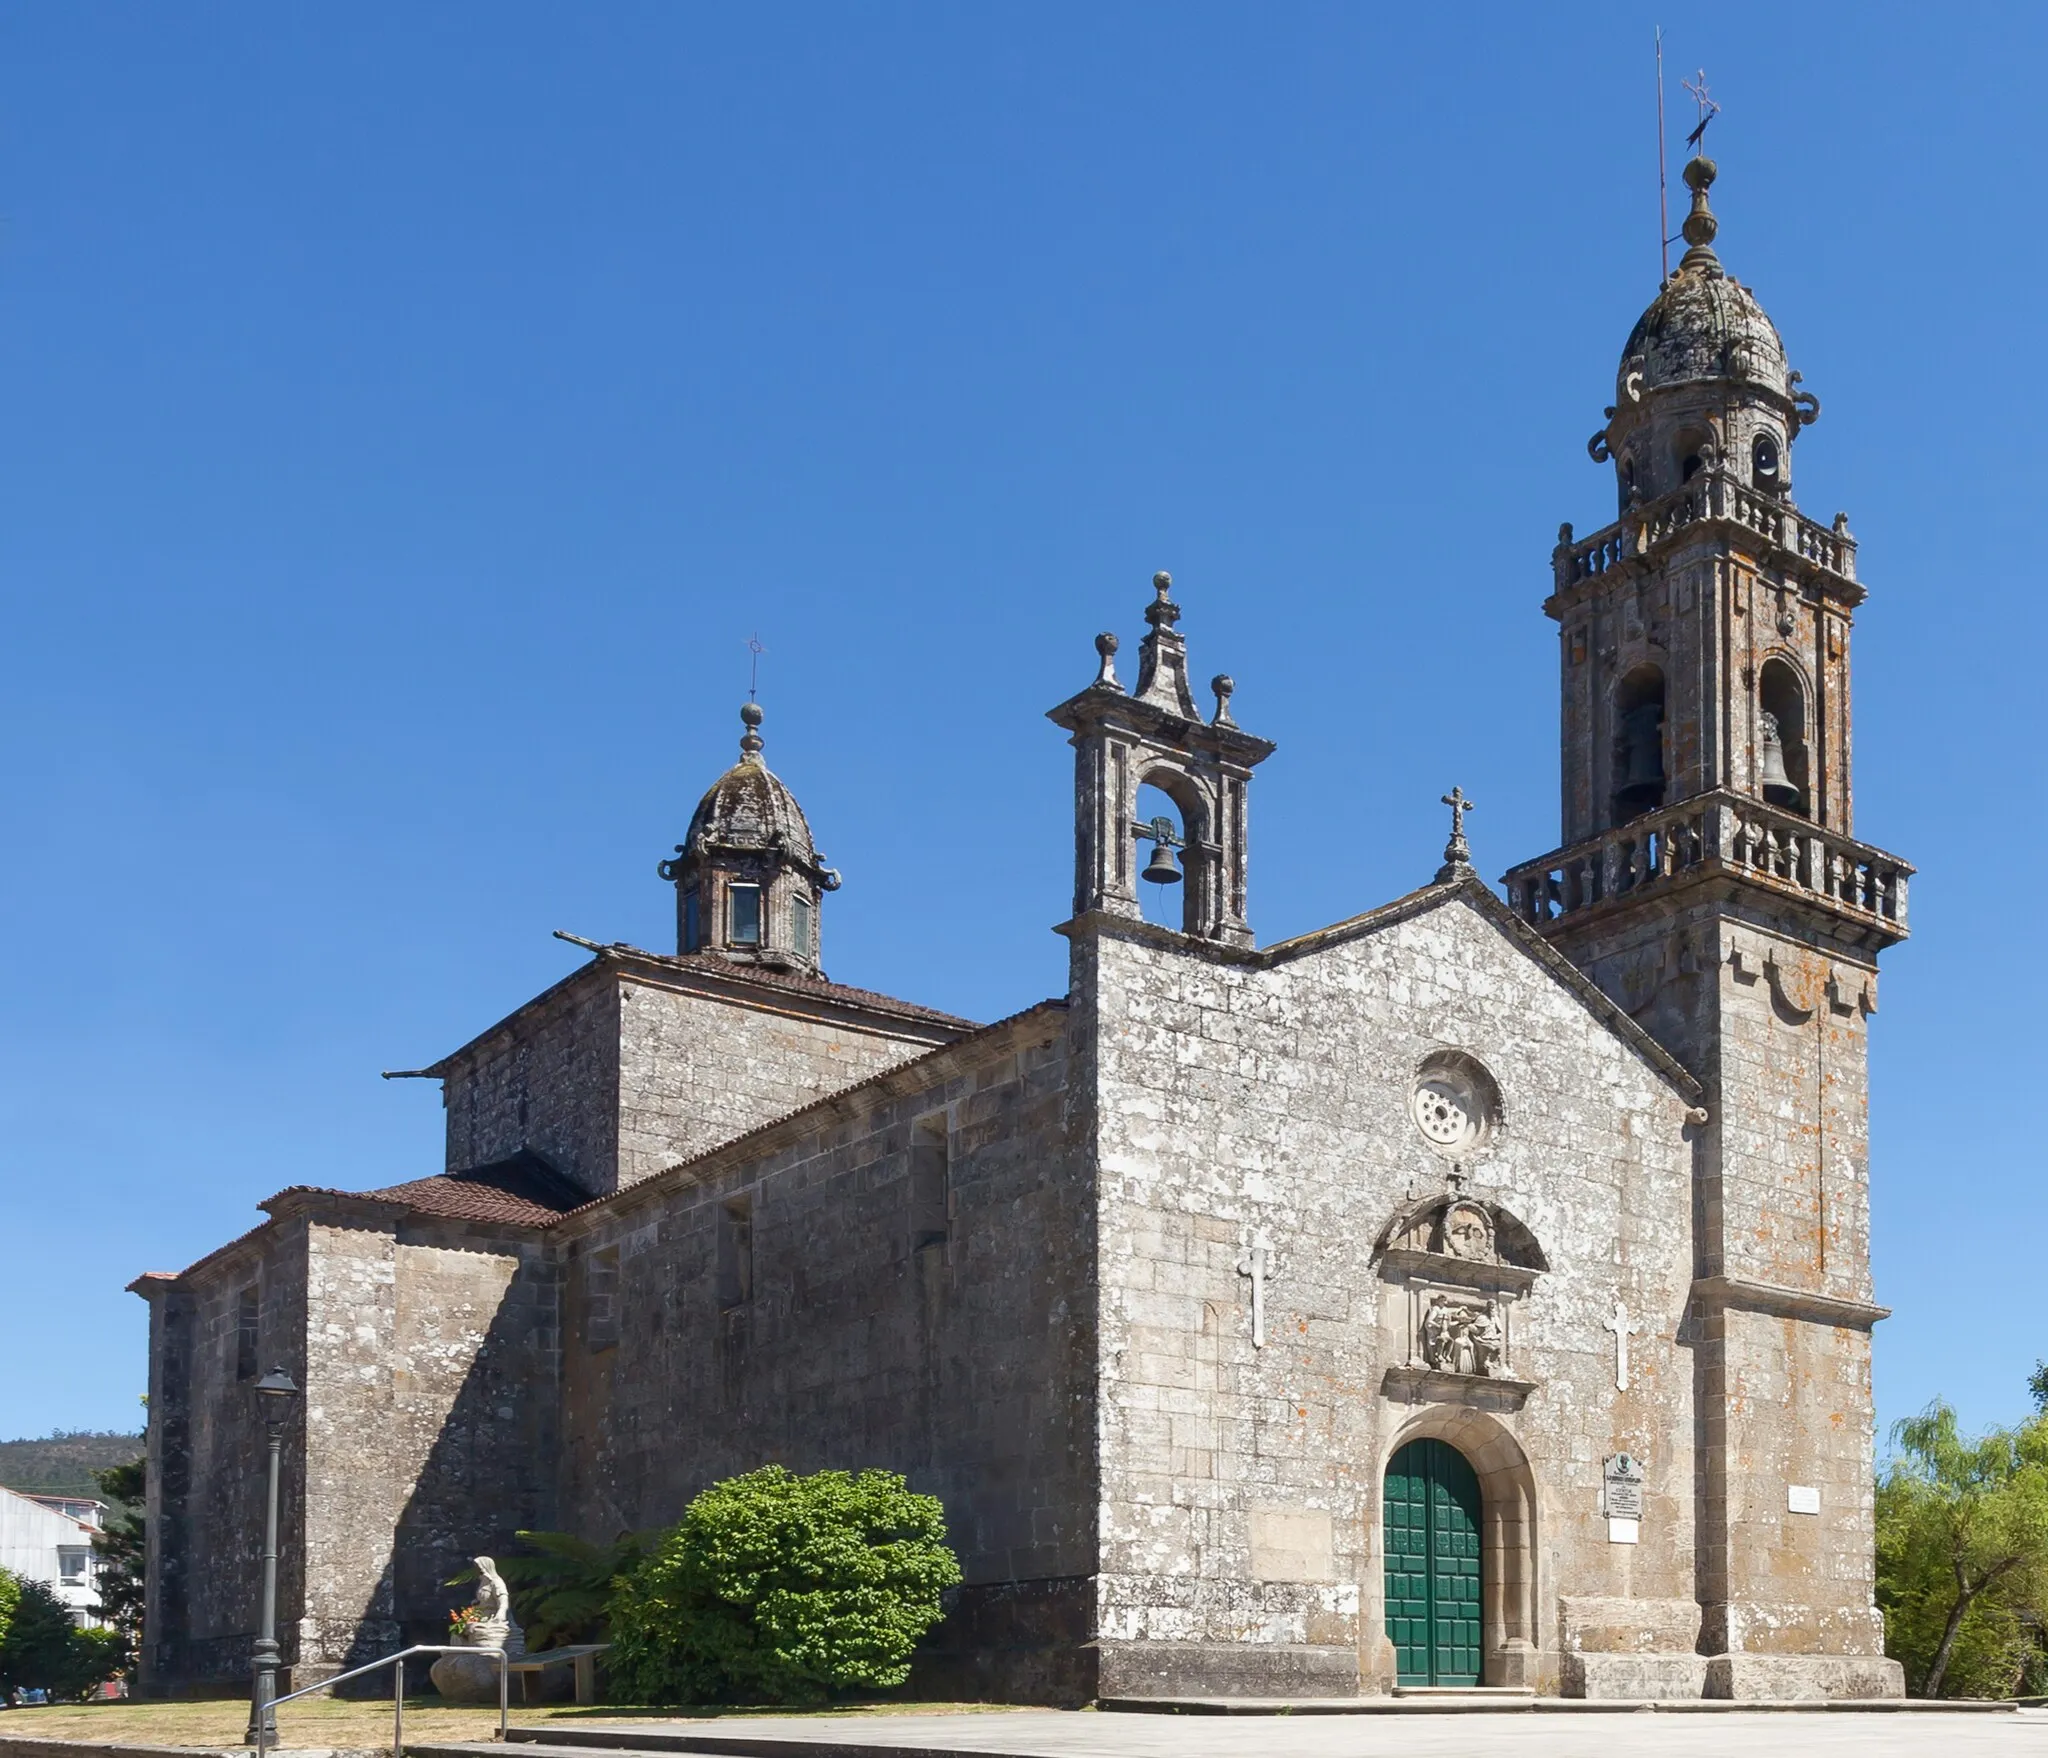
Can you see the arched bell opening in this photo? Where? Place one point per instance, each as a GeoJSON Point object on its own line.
{"type": "Point", "coordinates": [1170, 829]}
{"type": "Point", "coordinates": [1767, 462]}
{"type": "Point", "coordinates": [1459, 1499]}
{"type": "Point", "coordinates": [1691, 452]}
{"type": "Point", "coordinates": [1781, 738]}
{"type": "Point", "coordinates": [1639, 773]}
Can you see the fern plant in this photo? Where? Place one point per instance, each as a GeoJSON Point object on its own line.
{"type": "Point", "coordinates": [562, 1588]}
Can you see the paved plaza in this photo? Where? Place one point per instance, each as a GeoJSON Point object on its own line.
{"type": "Point", "coordinates": [1558, 1733]}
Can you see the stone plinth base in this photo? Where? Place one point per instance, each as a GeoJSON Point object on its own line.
{"type": "Point", "coordinates": [468, 1678]}
{"type": "Point", "coordinates": [1764, 1678]}
{"type": "Point", "coordinates": [1667, 1677]}
{"type": "Point", "coordinates": [1226, 1669]}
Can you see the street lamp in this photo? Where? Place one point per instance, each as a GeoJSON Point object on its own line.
{"type": "Point", "coordinates": [276, 1389]}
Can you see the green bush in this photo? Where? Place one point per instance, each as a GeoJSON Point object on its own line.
{"type": "Point", "coordinates": [41, 1649]}
{"type": "Point", "coordinates": [782, 1589]}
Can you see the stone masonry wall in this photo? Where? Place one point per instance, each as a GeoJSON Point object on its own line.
{"type": "Point", "coordinates": [1240, 1510]}
{"type": "Point", "coordinates": [429, 1405]}
{"type": "Point", "coordinates": [1777, 1026]}
{"type": "Point", "coordinates": [208, 1458]}
{"type": "Point", "coordinates": [616, 1073]}
{"type": "Point", "coordinates": [696, 1070]}
{"type": "Point", "coordinates": [902, 1279]}
{"type": "Point", "coordinates": [547, 1080]}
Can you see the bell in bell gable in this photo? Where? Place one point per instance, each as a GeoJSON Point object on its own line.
{"type": "Point", "coordinates": [1161, 869]}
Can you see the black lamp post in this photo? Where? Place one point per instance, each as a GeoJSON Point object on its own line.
{"type": "Point", "coordinates": [276, 1389]}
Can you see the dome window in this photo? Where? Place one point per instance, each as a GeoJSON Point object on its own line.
{"type": "Point", "coordinates": [743, 915]}
{"type": "Point", "coordinates": [693, 927]}
{"type": "Point", "coordinates": [1764, 462]}
{"type": "Point", "coordinates": [800, 924]}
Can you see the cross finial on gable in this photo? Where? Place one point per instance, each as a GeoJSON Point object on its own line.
{"type": "Point", "coordinates": [1457, 852]}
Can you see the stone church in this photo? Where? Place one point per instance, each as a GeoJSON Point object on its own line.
{"type": "Point", "coordinates": [1471, 1293]}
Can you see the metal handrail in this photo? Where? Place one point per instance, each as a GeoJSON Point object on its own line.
{"type": "Point", "coordinates": [398, 1690]}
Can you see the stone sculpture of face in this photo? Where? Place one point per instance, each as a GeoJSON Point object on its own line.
{"type": "Point", "coordinates": [1468, 1233]}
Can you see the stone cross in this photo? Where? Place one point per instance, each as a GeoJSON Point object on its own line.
{"type": "Point", "coordinates": [1457, 852]}
{"type": "Point", "coordinates": [1622, 1330]}
{"type": "Point", "coordinates": [1257, 1263]}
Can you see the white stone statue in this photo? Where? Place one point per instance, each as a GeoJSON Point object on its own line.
{"type": "Point", "coordinates": [473, 1678]}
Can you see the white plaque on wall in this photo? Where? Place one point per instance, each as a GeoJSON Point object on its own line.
{"type": "Point", "coordinates": [1802, 1498]}
{"type": "Point", "coordinates": [1621, 1481]}
{"type": "Point", "coordinates": [1624, 1531]}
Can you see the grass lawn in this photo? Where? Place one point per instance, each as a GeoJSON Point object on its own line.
{"type": "Point", "coordinates": [324, 1721]}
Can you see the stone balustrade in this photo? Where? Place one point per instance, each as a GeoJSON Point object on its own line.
{"type": "Point", "coordinates": [1710, 495]}
{"type": "Point", "coordinates": [1716, 833]}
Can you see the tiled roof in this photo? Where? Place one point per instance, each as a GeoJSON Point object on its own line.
{"type": "Point", "coordinates": [524, 1190]}
{"type": "Point", "coordinates": [795, 983]}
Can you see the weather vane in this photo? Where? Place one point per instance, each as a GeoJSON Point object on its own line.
{"type": "Point", "coordinates": [755, 648]}
{"type": "Point", "coordinates": [1697, 86]}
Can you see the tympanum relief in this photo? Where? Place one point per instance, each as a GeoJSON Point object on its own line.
{"type": "Point", "coordinates": [1455, 1269]}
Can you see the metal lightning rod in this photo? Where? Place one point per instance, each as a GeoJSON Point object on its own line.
{"type": "Point", "coordinates": [1663, 211]}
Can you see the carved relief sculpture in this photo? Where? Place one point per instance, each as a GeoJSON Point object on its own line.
{"type": "Point", "coordinates": [1468, 1233]}
{"type": "Point", "coordinates": [1458, 1337]}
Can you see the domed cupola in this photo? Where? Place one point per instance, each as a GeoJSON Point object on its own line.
{"type": "Point", "coordinates": [747, 876]}
{"type": "Point", "coordinates": [1703, 383]}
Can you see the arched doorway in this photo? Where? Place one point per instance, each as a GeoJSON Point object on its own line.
{"type": "Point", "coordinates": [1432, 1524]}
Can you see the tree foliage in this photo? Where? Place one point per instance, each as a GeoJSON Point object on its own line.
{"type": "Point", "coordinates": [41, 1649]}
{"type": "Point", "coordinates": [122, 1553]}
{"type": "Point", "coordinates": [783, 1589]}
{"type": "Point", "coordinates": [1962, 1554]}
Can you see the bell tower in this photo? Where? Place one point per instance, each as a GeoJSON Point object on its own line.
{"type": "Point", "coordinates": [1156, 738]}
{"type": "Point", "coordinates": [1711, 884]}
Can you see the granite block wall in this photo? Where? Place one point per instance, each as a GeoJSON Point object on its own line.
{"type": "Point", "coordinates": [627, 1067]}
{"type": "Point", "coordinates": [208, 1456]}
{"type": "Point", "coordinates": [696, 1070]}
{"type": "Point", "coordinates": [547, 1080]}
{"type": "Point", "coordinates": [787, 1301]}
{"type": "Point", "coordinates": [429, 1414]}
{"type": "Point", "coordinates": [1269, 1097]}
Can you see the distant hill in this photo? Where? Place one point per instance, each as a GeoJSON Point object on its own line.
{"type": "Point", "coordinates": [62, 1464]}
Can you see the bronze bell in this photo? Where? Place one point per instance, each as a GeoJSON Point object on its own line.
{"type": "Point", "coordinates": [1162, 869]}
{"type": "Point", "coordinates": [1641, 784]}
{"type": "Point", "coordinates": [1778, 787]}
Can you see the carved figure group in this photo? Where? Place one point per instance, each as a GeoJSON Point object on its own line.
{"type": "Point", "coordinates": [1458, 1337]}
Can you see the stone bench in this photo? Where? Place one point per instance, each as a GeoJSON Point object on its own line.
{"type": "Point", "coordinates": [580, 1657]}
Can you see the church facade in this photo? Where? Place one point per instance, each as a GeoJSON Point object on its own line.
{"type": "Point", "coordinates": [1472, 1293]}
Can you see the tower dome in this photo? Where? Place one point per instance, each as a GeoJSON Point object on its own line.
{"type": "Point", "coordinates": [1703, 382]}
{"type": "Point", "coordinates": [747, 875]}
{"type": "Point", "coordinates": [749, 807]}
{"type": "Point", "coordinates": [1703, 325]}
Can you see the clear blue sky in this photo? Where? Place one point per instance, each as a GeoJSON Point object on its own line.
{"type": "Point", "coordinates": [408, 412]}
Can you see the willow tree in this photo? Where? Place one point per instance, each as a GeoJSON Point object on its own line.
{"type": "Point", "coordinates": [1962, 1535]}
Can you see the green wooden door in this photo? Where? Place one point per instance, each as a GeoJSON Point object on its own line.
{"type": "Point", "coordinates": [1432, 1540]}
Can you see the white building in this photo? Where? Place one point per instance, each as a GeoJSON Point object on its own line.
{"type": "Point", "coordinates": [49, 1538]}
